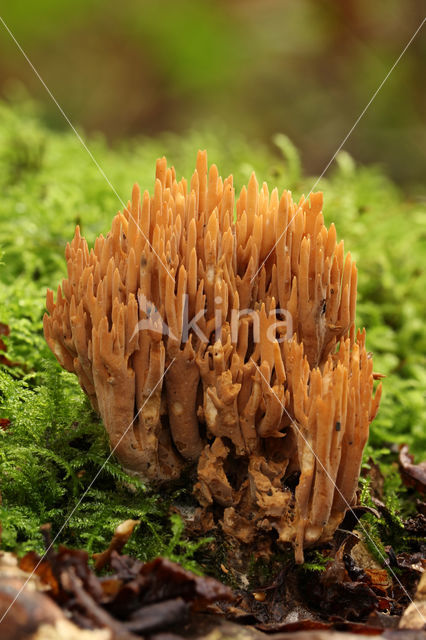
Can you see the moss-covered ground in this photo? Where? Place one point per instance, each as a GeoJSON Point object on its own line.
{"type": "Point", "coordinates": [51, 444]}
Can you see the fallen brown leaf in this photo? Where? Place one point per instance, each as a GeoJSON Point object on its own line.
{"type": "Point", "coordinates": [413, 475]}
{"type": "Point", "coordinates": [5, 331]}
{"type": "Point", "coordinates": [415, 615]}
{"type": "Point", "coordinates": [4, 423]}
{"type": "Point", "coordinates": [137, 598]}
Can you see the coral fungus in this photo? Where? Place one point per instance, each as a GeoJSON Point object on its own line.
{"type": "Point", "coordinates": [224, 343]}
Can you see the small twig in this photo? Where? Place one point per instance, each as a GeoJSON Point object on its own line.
{"type": "Point", "coordinates": [120, 538]}
{"type": "Point", "coordinates": [97, 614]}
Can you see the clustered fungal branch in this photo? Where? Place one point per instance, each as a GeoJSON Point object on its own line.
{"type": "Point", "coordinates": [224, 343]}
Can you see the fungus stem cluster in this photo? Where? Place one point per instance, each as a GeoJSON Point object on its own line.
{"type": "Point", "coordinates": [269, 376]}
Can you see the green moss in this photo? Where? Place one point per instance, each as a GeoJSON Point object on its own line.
{"type": "Point", "coordinates": [55, 467]}
{"type": "Point", "coordinates": [315, 561]}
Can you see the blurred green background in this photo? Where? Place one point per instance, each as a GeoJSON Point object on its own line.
{"type": "Point", "coordinates": [304, 68]}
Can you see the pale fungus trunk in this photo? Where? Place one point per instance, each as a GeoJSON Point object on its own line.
{"type": "Point", "coordinates": [224, 343]}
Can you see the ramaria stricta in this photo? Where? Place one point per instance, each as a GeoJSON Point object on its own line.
{"type": "Point", "coordinates": [220, 339]}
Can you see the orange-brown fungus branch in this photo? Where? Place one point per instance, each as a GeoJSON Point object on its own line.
{"type": "Point", "coordinates": [224, 342]}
